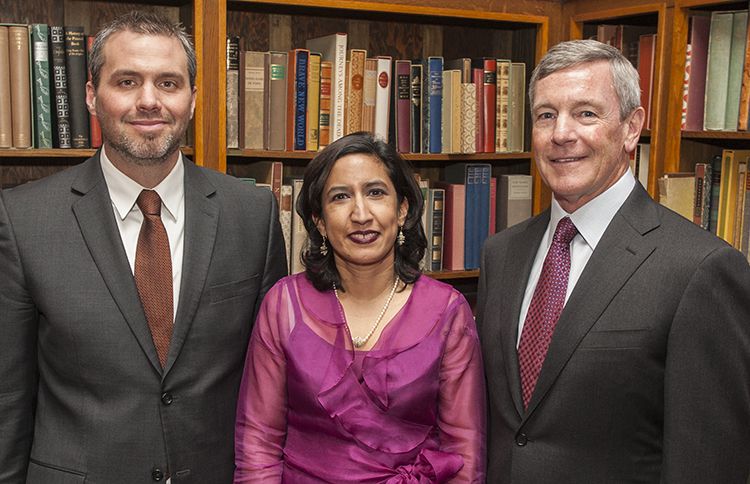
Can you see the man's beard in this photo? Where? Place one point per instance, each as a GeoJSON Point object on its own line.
{"type": "Point", "coordinates": [144, 150]}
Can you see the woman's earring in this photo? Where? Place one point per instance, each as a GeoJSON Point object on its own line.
{"type": "Point", "coordinates": [324, 247]}
{"type": "Point", "coordinates": [400, 239]}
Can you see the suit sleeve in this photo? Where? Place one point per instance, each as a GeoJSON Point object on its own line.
{"type": "Point", "coordinates": [18, 360]}
{"type": "Point", "coordinates": [276, 263]}
{"type": "Point", "coordinates": [707, 376]}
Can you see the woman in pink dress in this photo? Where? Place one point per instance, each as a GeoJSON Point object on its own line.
{"type": "Point", "coordinates": [360, 369]}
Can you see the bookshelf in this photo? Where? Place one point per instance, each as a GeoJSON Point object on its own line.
{"type": "Point", "coordinates": [518, 30]}
{"type": "Point", "coordinates": [686, 148]}
{"type": "Point", "coordinates": [585, 16]}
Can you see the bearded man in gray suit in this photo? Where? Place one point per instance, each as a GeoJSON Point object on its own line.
{"type": "Point", "coordinates": [629, 360]}
{"type": "Point", "coordinates": [88, 391]}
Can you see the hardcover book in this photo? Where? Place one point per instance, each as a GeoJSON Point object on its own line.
{"type": "Point", "coordinates": [253, 85]}
{"type": "Point", "coordinates": [324, 121]}
{"type": "Point", "coordinates": [383, 98]}
{"type": "Point", "coordinates": [476, 177]}
{"type": "Point", "coordinates": [503, 89]}
{"type": "Point", "coordinates": [514, 201]}
{"type": "Point", "coordinates": [233, 91]}
{"type": "Point", "coordinates": [736, 68]}
{"type": "Point", "coordinates": [60, 80]}
{"type": "Point", "coordinates": [355, 90]}
{"type": "Point", "coordinates": [369, 95]}
{"type": "Point", "coordinates": [299, 233]}
{"type": "Point", "coordinates": [416, 107]}
{"type": "Point", "coordinates": [75, 66]}
{"type": "Point", "coordinates": [698, 39]}
{"type": "Point", "coordinates": [453, 225]}
{"type": "Point", "coordinates": [702, 197]}
{"type": "Point", "coordinates": [452, 111]}
{"type": "Point", "coordinates": [468, 117]}
{"type": "Point", "coordinates": [488, 66]}
{"type": "Point", "coordinates": [717, 72]}
{"type": "Point", "coordinates": [478, 82]}
{"type": "Point", "coordinates": [432, 106]}
{"type": "Point", "coordinates": [313, 102]}
{"type": "Point", "coordinates": [296, 116]}
{"type": "Point", "coordinates": [435, 222]}
{"type": "Point", "coordinates": [6, 124]}
{"type": "Point", "coordinates": [517, 100]}
{"type": "Point", "coordinates": [285, 218]}
{"type": "Point", "coordinates": [646, 62]}
{"type": "Point", "coordinates": [20, 86]}
{"type": "Point", "coordinates": [42, 98]}
{"type": "Point", "coordinates": [277, 98]}
{"type": "Point", "coordinates": [332, 49]}
{"type": "Point", "coordinates": [402, 112]}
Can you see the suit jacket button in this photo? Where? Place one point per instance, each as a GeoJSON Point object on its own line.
{"type": "Point", "coordinates": [166, 398]}
{"type": "Point", "coordinates": [521, 440]}
{"type": "Point", "coordinates": [157, 475]}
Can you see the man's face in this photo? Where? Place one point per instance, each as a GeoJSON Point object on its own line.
{"type": "Point", "coordinates": [144, 101]}
{"type": "Point", "coordinates": [580, 144]}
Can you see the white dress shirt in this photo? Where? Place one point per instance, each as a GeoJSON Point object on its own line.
{"type": "Point", "coordinates": [124, 191]}
{"type": "Point", "coordinates": [591, 220]}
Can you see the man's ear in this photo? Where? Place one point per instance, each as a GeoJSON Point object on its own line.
{"type": "Point", "coordinates": [634, 124]}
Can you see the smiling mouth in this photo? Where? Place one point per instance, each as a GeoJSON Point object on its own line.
{"type": "Point", "coordinates": [564, 160]}
{"type": "Point", "coordinates": [364, 237]}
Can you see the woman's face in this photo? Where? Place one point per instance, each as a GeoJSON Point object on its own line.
{"type": "Point", "coordinates": [360, 211]}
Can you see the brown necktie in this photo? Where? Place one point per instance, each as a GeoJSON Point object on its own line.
{"type": "Point", "coordinates": [153, 272]}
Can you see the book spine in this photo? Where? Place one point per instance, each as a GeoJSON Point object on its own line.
{"type": "Point", "coordinates": [453, 225]}
{"type": "Point", "coordinates": [501, 125]}
{"type": "Point", "coordinates": [478, 77]}
{"type": "Point", "coordinates": [468, 117]}
{"type": "Point", "coordinates": [437, 197]}
{"type": "Point", "coordinates": [297, 78]}
{"type": "Point", "coordinates": [285, 218]}
{"type": "Point", "coordinates": [699, 33]}
{"type": "Point", "coordinates": [436, 104]}
{"type": "Point", "coordinates": [42, 98]}
{"type": "Point", "coordinates": [745, 238]}
{"type": "Point", "coordinates": [717, 74]}
{"type": "Point", "coordinates": [60, 77]}
{"type": "Point", "coordinates": [447, 140]}
{"type": "Point", "coordinates": [471, 233]}
{"type": "Point", "coordinates": [299, 233]}
{"type": "Point", "coordinates": [686, 86]}
{"type": "Point", "coordinates": [277, 100]}
{"type": "Point", "coordinates": [736, 68]}
{"type": "Point", "coordinates": [96, 130]}
{"type": "Point", "coordinates": [233, 91]}
{"type": "Point", "coordinates": [517, 112]}
{"type": "Point", "coordinates": [75, 63]}
{"type": "Point", "coordinates": [493, 204]}
{"type": "Point", "coordinates": [6, 124]}
{"type": "Point", "coordinates": [646, 74]}
{"type": "Point", "coordinates": [325, 105]}
{"type": "Point", "coordinates": [698, 200]}
{"type": "Point", "coordinates": [338, 94]}
{"type": "Point", "coordinates": [483, 216]}
{"type": "Point", "coordinates": [403, 106]}
{"type": "Point", "coordinates": [20, 86]}
{"type": "Point", "coordinates": [716, 177]}
{"type": "Point", "coordinates": [369, 94]}
{"type": "Point", "coordinates": [355, 93]}
{"type": "Point", "coordinates": [383, 98]}
{"type": "Point", "coordinates": [313, 103]}
{"type": "Point", "coordinates": [415, 93]}
{"type": "Point", "coordinates": [253, 91]}
{"type": "Point", "coordinates": [489, 104]}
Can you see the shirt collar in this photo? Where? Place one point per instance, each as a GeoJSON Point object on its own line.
{"type": "Point", "coordinates": [124, 191]}
{"type": "Point", "coordinates": [593, 218]}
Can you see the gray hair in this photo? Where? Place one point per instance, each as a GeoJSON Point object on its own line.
{"type": "Point", "coordinates": [577, 52]}
{"type": "Point", "coordinates": [145, 23]}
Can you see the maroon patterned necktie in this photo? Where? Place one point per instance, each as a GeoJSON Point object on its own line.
{"type": "Point", "coordinates": [545, 308]}
{"type": "Point", "coordinates": [153, 272]}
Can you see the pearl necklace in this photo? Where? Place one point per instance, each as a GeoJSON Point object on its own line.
{"type": "Point", "coordinates": [356, 340]}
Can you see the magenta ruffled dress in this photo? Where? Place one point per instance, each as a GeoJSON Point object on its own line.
{"type": "Point", "coordinates": [415, 413]}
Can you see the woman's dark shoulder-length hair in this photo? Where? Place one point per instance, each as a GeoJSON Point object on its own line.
{"type": "Point", "coordinates": [321, 269]}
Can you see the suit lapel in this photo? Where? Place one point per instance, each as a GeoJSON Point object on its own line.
{"type": "Point", "coordinates": [201, 223]}
{"type": "Point", "coordinates": [93, 212]}
{"type": "Point", "coordinates": [522, 250]}
{"type": "Point", "coordinates": [618, 255]}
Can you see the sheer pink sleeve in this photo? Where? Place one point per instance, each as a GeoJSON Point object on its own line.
{"type": "Point", "coordinates": [462, 406]}
{"type": "Point", "coordinates": [261, 425]}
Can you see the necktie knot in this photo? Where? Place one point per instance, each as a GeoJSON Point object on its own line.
{"type": "Point", "coordinates": [565, 231]}
{"type": "Point", "coordinates": [149, 202]}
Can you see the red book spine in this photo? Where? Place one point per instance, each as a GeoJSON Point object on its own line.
{"type": "Point", "coordinates": [478, 75]}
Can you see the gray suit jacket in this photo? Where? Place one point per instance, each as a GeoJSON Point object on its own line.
{"type": "Point", "coordinates": [83, 397]}
{"type": "Point", "coordinates": [647, 377]}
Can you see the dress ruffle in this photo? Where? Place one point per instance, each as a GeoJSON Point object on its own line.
{"type": "Point", "coordinates": [430, 467]}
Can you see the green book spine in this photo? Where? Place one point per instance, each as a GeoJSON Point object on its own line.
{"type": "Point", "coordinates": [736, 68]}
{"type": "Point", "coordinates": [42, 98]}
{"type": "Point", "coordinates": [717, 77]}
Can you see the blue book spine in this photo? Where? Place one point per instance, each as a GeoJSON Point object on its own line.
{"type": "Point", "coordinates": [470, 233]}
{"type": "Point", "coordinates": [300, 111]}
{"type": "Point", "coordinates": [436, 104]}
{"type": "Point", "coordinates": [483, 181]}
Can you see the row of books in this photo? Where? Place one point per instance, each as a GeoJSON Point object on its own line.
{"type": "Point", "coordinates": [716, 91]}
{"type": "Point", "coordinates": [43, 76]}
{"type": "Point", "coordinates": [303, 99]}
{"type": "Point", "coordinates": [715, 196]}
{"type": "Point", "coordinates": [639, 44]}
{"type": "Point", "coordinates": [466, 208]}
{"type": "Point", "coordinates": [460, 212]}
